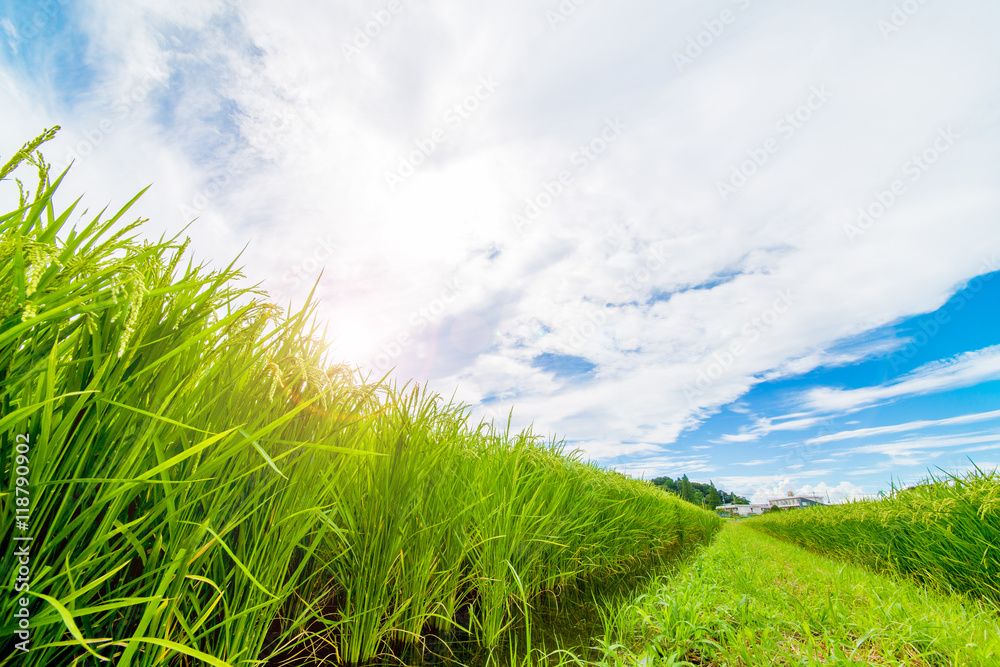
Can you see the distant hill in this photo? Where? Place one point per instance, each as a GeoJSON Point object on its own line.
{"type": "Point", "coordinates": [699, 494]}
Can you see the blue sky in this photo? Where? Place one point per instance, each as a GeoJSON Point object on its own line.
{"type": "Point", "coordinates": [754, 243]}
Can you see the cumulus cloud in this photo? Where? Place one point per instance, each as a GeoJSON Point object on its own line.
{"type": "Point", "coordinates": [760, 489]}
{"type": "Point", "coordinates": [473, 188]}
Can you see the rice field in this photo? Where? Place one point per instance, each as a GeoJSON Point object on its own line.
{"type": "Point", "coordinates": [195, 481]}
{"type": "Point", "coordinates": [944, 533]}
{"type": "Point", "coordinates": [750, 600]}
{"type": "Point", "coordinates": [189, 478]}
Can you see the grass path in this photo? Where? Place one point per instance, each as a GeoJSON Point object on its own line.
{"type": "Point", "coordinates": [749, 599]}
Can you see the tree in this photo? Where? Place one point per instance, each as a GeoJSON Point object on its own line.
{"type": "Point", "coordinates": [666, 484]}
{"type": "Point", "coordinates": [713, 500]}
{"type": "Point", "coordinates": [687, 491]}
{"type": "Point", "coordinates": [699, 494]}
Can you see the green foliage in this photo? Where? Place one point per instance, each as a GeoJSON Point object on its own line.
{"type": "Point", "coordinates": [733, 499]}
{"type": "Point", "coordinates": [943, 533]}
{"type": "Point", "coordinates": [205, 483]}
{"type": "Point", "coordinates": [666, 483]}
{"type": "Point", "coordinates": [712, 499]}
{"type": "Point", "coordinates": [748, 600]}
{"type": "Point", "coordinates": [674, 486]}
{"type": "Point", "coordinates": [687, 491]}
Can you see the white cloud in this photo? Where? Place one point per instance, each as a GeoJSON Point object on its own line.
{"type": "Point", "coordinates": [602, 451]}
{"type": "Point", "coordinates": [839, 493]}
{"type": "Point", "coordinates": [964, 370]}
{"type": "Point", "coordinates": [313, 133]}
{"type": "Point", "coordinates": [767, 425]}
{"type": "Point", "coordinates": [931, 446]}
{"type": "Point", "coordinates": [961, 371]}
{"type": "Point", "coordinates": [760, 489]}
{"type": "Point", "coordinates": [908, 426]}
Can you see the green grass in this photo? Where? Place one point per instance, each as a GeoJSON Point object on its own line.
{"type": "Point", "coordinates": [944, 533]}
{"type": "Point", "coordinates": [207, 487]}
{"type": "Point", "coordinates": [751, 600]}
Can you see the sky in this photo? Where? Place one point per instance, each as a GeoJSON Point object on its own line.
{"type": "Point", "coordinates": [752, 242]}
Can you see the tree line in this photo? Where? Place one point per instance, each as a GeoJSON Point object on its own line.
{"type": "Point", "coordinates": [703, 495]}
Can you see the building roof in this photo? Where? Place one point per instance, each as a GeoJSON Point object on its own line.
{"type": "Point", "coordinates": [817, 499]}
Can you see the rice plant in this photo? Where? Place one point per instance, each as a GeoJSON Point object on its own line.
{"type": "Point", "coordinates": [748, 599]}
{"type": "Point", "coordinates": [206, 486]}
{"type": "Point", "coordinates": [942, 532]}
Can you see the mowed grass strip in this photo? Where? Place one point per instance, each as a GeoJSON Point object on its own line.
{"type": "Point", "coordinates": [751, 600]}
{"type": "Point", "coordinates": [944, 532]}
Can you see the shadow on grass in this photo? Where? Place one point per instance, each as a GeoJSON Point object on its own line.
{"type": "Point", "coordinates": [565, 622]}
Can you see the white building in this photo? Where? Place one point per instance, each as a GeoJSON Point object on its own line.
{"type": "Point", "coordinates": [743, 510]}
{"type": "Point", "coordinates": [759, 508]}
{"type": "Point", "coordinates": [796, 501]}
